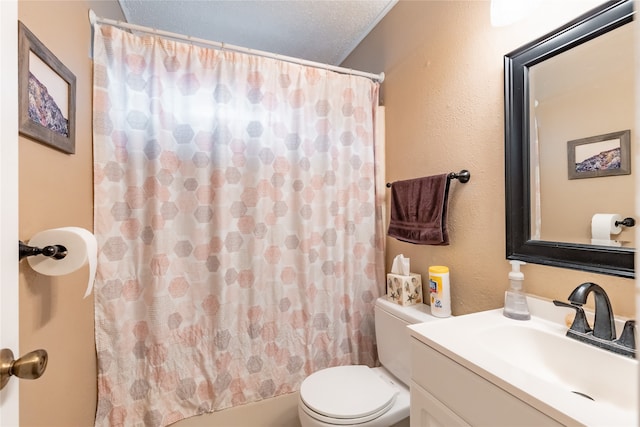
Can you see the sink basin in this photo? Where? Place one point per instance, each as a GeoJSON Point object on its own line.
{"type": "Point", "coordinates": [580, 368]}
{"type": "Point", "coordinates": [571, 381]}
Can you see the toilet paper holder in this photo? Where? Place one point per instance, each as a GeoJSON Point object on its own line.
{"type": "Point", "coordinates": [627, 222]}
{"type": "Point", "coordinates": [52, 251]}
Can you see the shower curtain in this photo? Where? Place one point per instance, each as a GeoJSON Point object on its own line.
{"type": "Point", "coordinates": [239, 226]}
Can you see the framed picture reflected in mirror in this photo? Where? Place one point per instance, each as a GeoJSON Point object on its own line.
{"type": "Point", "coordinates": [601, 155]}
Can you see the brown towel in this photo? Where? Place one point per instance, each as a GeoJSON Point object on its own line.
{"type": "Point", "coordinates": [419, 210]}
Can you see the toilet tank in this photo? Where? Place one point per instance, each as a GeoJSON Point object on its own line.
{"type": "Point", "coordinates": [393, 337]}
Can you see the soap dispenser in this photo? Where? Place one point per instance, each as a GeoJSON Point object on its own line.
{"type": "Point", "coordinates": [515, 301]}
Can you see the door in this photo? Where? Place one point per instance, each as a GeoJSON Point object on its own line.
{"type": "Point", "coordinates": [9, 200]}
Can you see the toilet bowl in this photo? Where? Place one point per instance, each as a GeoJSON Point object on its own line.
{"type": "Point", "coordinates": [363, 396]}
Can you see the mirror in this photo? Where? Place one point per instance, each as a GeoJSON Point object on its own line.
{"type": "Point", "coordinates": [548, 205]}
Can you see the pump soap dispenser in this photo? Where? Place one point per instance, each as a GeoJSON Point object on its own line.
{"type": "Point", "coordinates": [515, 301]}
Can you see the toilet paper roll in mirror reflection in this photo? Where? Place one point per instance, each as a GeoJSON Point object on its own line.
{"type": "Point", "coordinates": [602, 227]}
{"type": "Point", "coordinates": [82, 249]}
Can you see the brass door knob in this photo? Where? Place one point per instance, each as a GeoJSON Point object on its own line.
{"type": "Point", "coordinates": [30, 366]}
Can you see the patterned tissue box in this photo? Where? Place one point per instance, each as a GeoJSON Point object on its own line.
{"type": "Point", "coordinates": [404, 290]}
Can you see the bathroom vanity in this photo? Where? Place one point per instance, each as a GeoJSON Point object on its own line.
{"type": "Point", "coordinates": [486, 369]}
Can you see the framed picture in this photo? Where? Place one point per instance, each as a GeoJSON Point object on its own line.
{"type": "Point", "coordinates": [46, 94]}
{"type": "Point", "coordinates": [602, 155]}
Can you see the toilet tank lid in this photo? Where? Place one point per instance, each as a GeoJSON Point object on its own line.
{"type": "Point", "coordinates": [417, 313]}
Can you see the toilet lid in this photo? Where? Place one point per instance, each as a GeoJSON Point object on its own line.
{"type": "Point", "coordinates": [347, 392]}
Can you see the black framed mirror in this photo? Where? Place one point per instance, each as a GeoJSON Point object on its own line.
{"type": "Point", "coordinates": [518, 66]}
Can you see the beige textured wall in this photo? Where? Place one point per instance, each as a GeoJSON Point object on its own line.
{"type": "Point", "coordinates": [444, 112]}
{"type": "Point", "coordinates": [56, 190]}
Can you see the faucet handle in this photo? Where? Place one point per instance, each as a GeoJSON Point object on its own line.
{"type": "Point", "coordinates": [580, 323]}
{"type": "Point", "coordinates": [628, 337]}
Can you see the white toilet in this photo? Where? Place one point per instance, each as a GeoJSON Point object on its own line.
{"type": "Point", "coordinates": [363, 396]}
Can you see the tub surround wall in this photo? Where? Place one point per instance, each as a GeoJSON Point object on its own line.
{"type": "Point", "coordinates": [443, 95]}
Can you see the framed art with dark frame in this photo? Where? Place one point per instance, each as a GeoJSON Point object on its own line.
{"type": "Point", "coordinates": [601, 155]}
{"type": "Point", "coordinates": [46, 94]}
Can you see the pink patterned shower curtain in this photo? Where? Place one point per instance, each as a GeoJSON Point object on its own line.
{"type": "Point", "coordinates": [238, 223]}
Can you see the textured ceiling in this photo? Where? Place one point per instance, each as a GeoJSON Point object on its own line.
{"type": "Point", "coordinates": [316, 30]}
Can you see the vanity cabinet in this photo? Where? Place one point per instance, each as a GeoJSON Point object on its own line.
{"type": "Point", "coordinates": [445, 393]}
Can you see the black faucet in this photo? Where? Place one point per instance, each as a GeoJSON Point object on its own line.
{"type": "Point", "coordinates": [604, 325]}
{"type": "Point", "coordinates": [603, 334]}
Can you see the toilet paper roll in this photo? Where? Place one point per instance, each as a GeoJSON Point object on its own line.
{"type": "Point", "coordinates": [82, 248]}
{"type": "Point", "coordinates": [604, 225]}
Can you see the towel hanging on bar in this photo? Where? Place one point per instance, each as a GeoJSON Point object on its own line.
{"type": "Point", "coordinates": [463, 176]}
{"type": "Point", "coordinates": [419, 210]}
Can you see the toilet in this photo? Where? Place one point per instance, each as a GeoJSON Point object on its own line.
{"type": "Point", "coordinates": [363, 396]}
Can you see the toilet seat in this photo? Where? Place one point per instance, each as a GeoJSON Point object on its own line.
{"type": "Point", "coordinates": [346, 395]}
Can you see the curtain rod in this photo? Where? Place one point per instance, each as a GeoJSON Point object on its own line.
{"type": "Point", "coordinates": [93, 18]}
